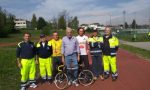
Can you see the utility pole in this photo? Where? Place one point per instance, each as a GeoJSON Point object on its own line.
{"type": "Point", "coordinates": [124, 18]}
{"type": "Point", "coordinates": [110, 19]}
{"type": "Point", "coordinates": [135, 19]}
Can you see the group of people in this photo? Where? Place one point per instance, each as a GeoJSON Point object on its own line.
{"type": "Point", "coordinates": [70, 51]}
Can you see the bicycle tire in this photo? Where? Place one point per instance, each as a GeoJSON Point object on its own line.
{"type": "Point", "coordinates": [61, 78]}
{"type": "Point", "coordinates": [86, 77]}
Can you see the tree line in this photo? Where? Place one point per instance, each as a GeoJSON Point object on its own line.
{"type": "Point", "coordinates": [63, 20]}
{"type": "Point", "coordinates": [7, 24]}
{"type": "Point", "coordinates": [56, 23]}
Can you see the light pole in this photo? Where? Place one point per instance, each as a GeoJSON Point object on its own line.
{"type": "Point", "coordinates": [124, 18]}
{"type": "Point", "coordinates": [135, 19]}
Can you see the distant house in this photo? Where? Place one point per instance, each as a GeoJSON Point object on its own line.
{"type": "Point", "coordinates": [85, 26]}
{"type": "Point", "coordinates": [21, 23]}
{"type": "Point", "coordinates": [94, 26]}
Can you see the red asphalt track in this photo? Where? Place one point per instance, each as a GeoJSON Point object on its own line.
{"type": "Point", "coordinates": [134, 74]}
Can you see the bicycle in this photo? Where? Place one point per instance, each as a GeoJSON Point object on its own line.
{"type": "Point", "coordinates": [85, 77]}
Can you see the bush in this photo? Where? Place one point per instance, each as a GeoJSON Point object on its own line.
{"type": "Point", "coordinates": [47, 30]}
{"type": "Point", "coordinates": [4, 32]}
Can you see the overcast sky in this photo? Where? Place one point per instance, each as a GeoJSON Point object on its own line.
{"type": "Point", "coordinates": [88, 11]}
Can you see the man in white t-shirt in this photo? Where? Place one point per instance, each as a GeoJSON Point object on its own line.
{"type": "Point", "coordinates": [83, 45]}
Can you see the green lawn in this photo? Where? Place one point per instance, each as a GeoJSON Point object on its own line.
{"type": "Point", "coordinates": [9, 73]}
{"type": "Point", "coordinates": [143, 37]}
{"type": "Point", "coordinates": [138, 51]}
{"type": "Point", "coordinates": [35, 35]}
{"type": "Point", "coordinates": [17, 37]}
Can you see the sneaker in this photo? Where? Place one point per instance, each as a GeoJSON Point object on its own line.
{"type": "Point", "coordinates": [95, 78]}
{"type": "Point", "coordinates": [114, 78]}
{"type": "Point", "coordinates": [75, 83]}
{"type": "Point", "coordinates": [101, 77]}
{"type": "Point", "coordinates": [69, 83]}
{"type": "Point", "coordinates": [33, 85]}
{"type": "Point", "coordinates": [23, 88]}
{"type": "Point", "coordinates": [106, 76]}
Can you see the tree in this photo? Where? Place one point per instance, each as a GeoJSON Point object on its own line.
{"type": "Point", "coordinates": [34, 22]}
{"type": "Point", "coordinates": [41, 23]}
{"type": "Point", "coordinates": [47, 29]}
{"type": "Point", "coordinates": [54, 23]}
{"type": "Point", "coordinates": [126, 25]}
{"type": "Point", "coordinates": [134, 25]}
{"type": "Point", "coordinates": [7, 24]}
{"type": "Point", "coordinates": [62, 22]}
{"type": "Point", "coordinates": [73, 22]}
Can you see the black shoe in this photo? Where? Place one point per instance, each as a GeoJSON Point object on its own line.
{"type": "Point", "coordinates": [106, 76]}
{"type": "Point", "coordinates": [114, 78]}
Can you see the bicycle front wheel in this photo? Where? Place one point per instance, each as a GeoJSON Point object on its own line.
{"type": "Point", "coordinates": [61, 80]}
{"type": "Point", "coordinates": [85, 77]}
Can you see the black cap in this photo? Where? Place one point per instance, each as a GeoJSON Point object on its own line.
{"type": "Point", "coordinates": [42, 35]}
{"type": "Point", "coordinates": [95, 30]}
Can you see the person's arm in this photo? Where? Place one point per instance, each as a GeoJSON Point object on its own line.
{"type": "Point", "coordinates": [18, 51]}
{"type": "Point", "coordinates": [117, 44]}
{"type": "Point", "coordinates": [87, 46]}
{"type": "Point", "coordinates": [78, 49]}
{"type": "Point", "coordinates": [37, 59]}
{"type": "Point", "coordinates": [37, 53]}
{"type": "Point", "coordinates": [63, 52]}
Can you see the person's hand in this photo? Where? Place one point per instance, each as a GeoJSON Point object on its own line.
{"type": "Point", "coordinates": [63, 60]}
{"type": "Point", "coordinates": [78, 58]}
{"type": "Point", "coordinates": [37, 61]}
{"type": "Point", "coordinates": [19, 65]}
{"type": "Point", "coordinates": [88, 51]}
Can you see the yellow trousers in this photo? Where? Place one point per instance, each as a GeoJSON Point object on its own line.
{"type": "Point", "coordinates": [28, 69]}
{"type": "Point", "coordinates": [45, 65]}
{"type": "Point", "coordinates": [109, 62]}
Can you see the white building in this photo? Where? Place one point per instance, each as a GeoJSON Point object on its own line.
{"type": "Point", "coordinates": [93, 26]}
{"type": "Point", "coordinates": [21, 23]}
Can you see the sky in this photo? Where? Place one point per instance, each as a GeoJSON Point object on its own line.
{"type": "Point", "coordinates": [87, 11]}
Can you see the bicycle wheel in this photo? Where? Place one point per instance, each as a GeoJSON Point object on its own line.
{"type": "Point", "coordinates": [61, 80]}
{"type": "Point", "coordinates": [85, 77]}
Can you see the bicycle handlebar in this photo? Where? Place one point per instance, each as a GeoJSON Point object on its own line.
{"type": "Point", "coordinates": [60, 67]}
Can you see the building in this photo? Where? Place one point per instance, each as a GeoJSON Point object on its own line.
{"type": "Point", "coordinates": [21, 23]}
{"type": "Point", "coordinates": [93, 26]}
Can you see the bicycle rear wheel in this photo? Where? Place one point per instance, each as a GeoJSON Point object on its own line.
{"type": "Point", "coordinates": [61, 80]}
{"type": "Point", "coordinates": [85, 77]}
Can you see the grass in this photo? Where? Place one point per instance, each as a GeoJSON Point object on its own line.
{"type": "Point", "coordinates": [17, 37]}
{"type": "Point", "coordinates": [138, 51]}
{"type": "Point", "coordinates": [35, 36]}
{"type": "Point", "coordinates": [9, 73]}
{"type": "Point", "coordinates": [143, 37]}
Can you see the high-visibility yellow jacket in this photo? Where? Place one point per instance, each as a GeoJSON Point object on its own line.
{"type": "Point", "coordinates": [95, 45]}
{"type": "Point", "coordinates": [110, 45]}
{"type": "Point", "coordinates": [56, 46]}
{"type": "Point", "coordinates": [44, 51]}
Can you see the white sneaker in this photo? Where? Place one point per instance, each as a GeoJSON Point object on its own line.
{"type": "Point", "coordinates": [33, 85]}
{"type": "Point", "coordinates": [69, 83]}
{"type": "Point", "coordinates": [75, 83]}
{"type": "Point", "coordinates": [23, 88]}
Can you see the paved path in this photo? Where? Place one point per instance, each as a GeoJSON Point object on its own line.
{"type": "Point", "coordinates": [134, 74]}
{"type": "Point", "coordinates": [143, 45]}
